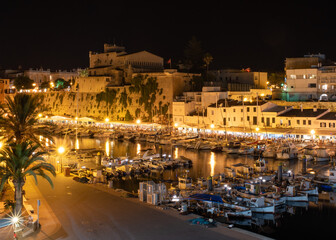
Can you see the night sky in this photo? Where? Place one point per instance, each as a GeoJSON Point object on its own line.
{"type": "Point", "coordinates": [255, 34]}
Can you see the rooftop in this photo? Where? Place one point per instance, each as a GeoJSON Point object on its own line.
{"type": "Point", "coordinates": [303, 113]}
{"type": "Point", "coordinates": [232, 103]}
{"type": "Point", "coordinates": [276, 109]}
{"type": "Point", "coordinates": [328, 116]}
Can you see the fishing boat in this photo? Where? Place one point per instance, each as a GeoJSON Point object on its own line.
{"type": "Point", "coordinates": [229, 172]}
{"type": "Point", "coordinates": [260, 165]}
{"type": "Point", "coordinates": [322, 154]}
{"type": "Point", "coordinates": [269, 152]}
{"type": "Point", "coordinates": [287, 151]}
{"type": "Point", "coordinates": [232, 147]}
{"type": "Point", "coordinates": [246, 150]}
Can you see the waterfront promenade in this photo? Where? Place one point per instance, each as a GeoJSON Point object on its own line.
{"type": "Point", "coordinates": [74, 210]}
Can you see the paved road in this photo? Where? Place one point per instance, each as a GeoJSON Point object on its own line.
{"type": "Point", "coordinates": [88, 213]}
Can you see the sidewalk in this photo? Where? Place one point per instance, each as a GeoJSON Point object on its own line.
{"type": "Point", "coordinates": [221, 228]}
{"type": "Point", "coordinates": [50, 226]}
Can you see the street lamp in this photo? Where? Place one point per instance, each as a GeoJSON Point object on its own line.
{"type": "Point", "coordinates": [61, 150]}
{"type": "Point", "coordinates": [107, 119]}
{"type": "Point", "coordinates": [176, 124]}
{"type": "Point", "coordinates": [312, 132]}
{"type": "Point", "coordinates": [138, 121]}
{"type": "Point", "coordinates": [212, 126]}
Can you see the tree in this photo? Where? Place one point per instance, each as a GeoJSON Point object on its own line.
{"type": "Point", "coordinates": [45, 84]}
{"type": "Point", "coordinates": [276, 78]}
{"type": "Point", "coordinates": [193, 55]}
{"type": "Point", "coordinates": [60, 84]}
{"type": "Point", "coordinates": [19, 119]}
{"type": "Point", "coordinates": [207, 60]}
{"type": "Point", "coordinates": [23, 82]}
{"type": "Point", "coordinates": [22, 160]}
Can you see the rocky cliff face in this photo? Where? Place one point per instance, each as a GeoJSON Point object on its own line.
{"type": "Point", "coordinates": [142, 99]}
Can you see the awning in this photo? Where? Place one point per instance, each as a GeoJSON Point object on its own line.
{"type": "Point", "coordinates": [206, 197]}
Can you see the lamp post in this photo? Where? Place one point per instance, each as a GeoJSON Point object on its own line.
{"type": "Point", "coordinates": [312, 132]}
{"type": "Point", "coordinates": [60, 151]}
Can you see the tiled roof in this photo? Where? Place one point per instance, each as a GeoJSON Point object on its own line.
{"type": "Point", "coordinates": [303, 113]}
{"type": "Point", "coordinates": [328, 116]}
{"type": "Point", "coordinates": [275, 109]}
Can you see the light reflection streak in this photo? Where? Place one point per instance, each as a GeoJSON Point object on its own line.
{"type": "Point", "coordinates": [138, 148]}
{"type": "Point", "coordinates": [107, 148]}
{"type": "Point", "coordinates": [212, 164]}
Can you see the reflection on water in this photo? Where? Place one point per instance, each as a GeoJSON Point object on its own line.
{"type": "Point", "coordinates": [77, 143]}
{"type": "Point", "coordinates": [107, 148]}
{"type": "Point", "coordinates": [205, 163]}
{"type": "Point", "coordinates": [176, 154]}
{"type": "Point", "coordinates": [212, 164]}
{"type": "Point", "coordinates": [138, 148]}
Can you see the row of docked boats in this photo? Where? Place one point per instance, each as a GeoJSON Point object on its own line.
{"type": "Point", "coordinates": [233, 198]}
{"type": "Point", "coordinates": [147, 162]}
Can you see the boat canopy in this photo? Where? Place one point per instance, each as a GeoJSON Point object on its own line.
{"type": "Point", "coordinates": [206, 197]}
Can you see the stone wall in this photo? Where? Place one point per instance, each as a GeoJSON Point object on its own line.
{"type": "Point", "coordinates": [307, 105]}
{"type": "Point", "coordinates": [144, 99]}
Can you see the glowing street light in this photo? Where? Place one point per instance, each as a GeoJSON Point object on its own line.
{"type": "Point", "coordinates": [257, 129]}
{"type": "Point", "coordinates": [39, 115]}
{"type": "Point", "coordinates": [312, 132]}
{"type": "Point", "coordinates": [176, 124]}
{"type": "Point", "coordinates": [212, 126]}
{"type": "Point", "coordinates": [107, 119]}
{"type": "Point", "coordinates": [61, 150]}
{"type": "Point", "coordinates": [138, 121]}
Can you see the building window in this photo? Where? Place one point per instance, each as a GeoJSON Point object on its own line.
{"type": "Point", "coordinates": [248, 118]}
{"type": "Point", "coordinates": [228, 119]}
{"type": "Point", "coordinates": [234, 119]}
{"type": "Point", "coordinates": [273, 120]}
{"type": "Point", "coordinates": [289, 122]}
{"type": "Point", "coordinates": [312, 85]}
{"type": "Point", "coordinates": [262, 120]}
{"type": "Point", "coordinates": [309, 122]}
{"type": "Point", "coordinates": [212, 112]}
{"type": "Point", "coordinates": [255, 121]}
{"type": "Point", "coordinates": [241, 110]}
{"type": "Point", "coordinates": [241, 119]}
{"type": "Point", "coordinates": [304, 122]}
{"type": "Point", "coordinates": [298, 122]}
{"type": "Point", "coordinates": [234, 110]}
{"type": "Point", "coordinates": [248, 109]}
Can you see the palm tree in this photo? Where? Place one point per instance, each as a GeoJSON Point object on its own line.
{"type": "Point", "coordinates": [22, 160]}
{"type": "Point", "coordinates": [19, 119]}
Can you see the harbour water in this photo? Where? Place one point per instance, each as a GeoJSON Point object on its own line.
{"type": "Point", "coordinates": [313, 219]}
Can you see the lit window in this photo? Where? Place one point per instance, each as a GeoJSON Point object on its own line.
{"type": "Point", "coordinates": [325, 87]}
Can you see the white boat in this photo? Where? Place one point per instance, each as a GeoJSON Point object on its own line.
{"type": "Point", "coordinates": [307, 188]}
{"type": "Point", "coordinates": [287, 151]}
{"type": "Point", "coordinates": [269, 152]}
{"type": "Point", "coordinates": [322, 154]}
{"type": "Point", "coordinates": [260, 165]}
{"type": "Point", "coordinates": [232, 147]}
{"type": "Point", "coordinates": [184, 182]}
{"type": "Point", "coordinates": [292, 194]}
{"type": "Point", "coordinates": [246, 150]}
{"type": "Point", "coordinates": [229, 172]}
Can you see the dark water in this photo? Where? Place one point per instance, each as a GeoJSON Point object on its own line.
{"type": "Point", "coordinates": [310, 221]}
